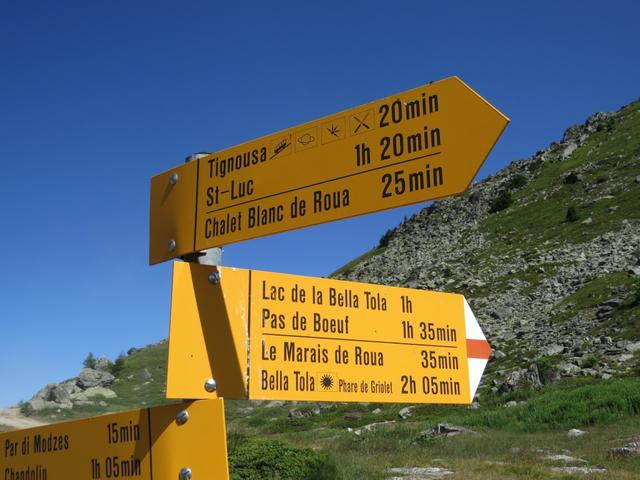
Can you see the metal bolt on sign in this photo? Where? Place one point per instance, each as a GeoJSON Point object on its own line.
{"type": "Point", "coordinates": [171, 245]}
{"type": "Point", "coordinates": [214, 277]}
{"type": "Point", "coordinates": [185, 474]}
{"type": "Point", "coordinates": [210, 385]}
{"type": "Point", "coordinates": [173, 179]}
{"type": "Point", "coordinates": [182, 417]}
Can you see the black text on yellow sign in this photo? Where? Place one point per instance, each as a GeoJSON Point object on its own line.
{"type": "Point", "coordinates": [148, 444]}
{"type": "Point", "coordinates": [418, 145]}
{"type": "Point", "coordinates": [264, 335]}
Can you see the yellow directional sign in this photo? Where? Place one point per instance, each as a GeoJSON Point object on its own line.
{"type": "Point", "coordinates": [304, 338]}
{"type": "Point", "coordinates": [418, 145]}
{"type": "Point", "coordinates": [149, 444]}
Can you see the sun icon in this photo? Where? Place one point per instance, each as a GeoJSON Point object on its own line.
{"type": "Point", "coordinates": [326, 381]}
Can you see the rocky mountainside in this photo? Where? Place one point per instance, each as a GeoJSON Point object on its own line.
{"type": "Point", "coordinates": [547, 252]}
{"type": "Point", "coordinates": [134, 380]}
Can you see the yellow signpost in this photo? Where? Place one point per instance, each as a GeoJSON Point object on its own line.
{"type": "Point", "coordinates": [302, 338]}
{"type": "Point", "coordinates": [160, 443]}
{"type": "Point", "coordinates": [418, 145]}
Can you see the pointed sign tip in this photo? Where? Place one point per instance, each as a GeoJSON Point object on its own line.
{"type": "Point", "coordinates": [471, 323]}
{"type": "Point", "coordinates": [476, 369]}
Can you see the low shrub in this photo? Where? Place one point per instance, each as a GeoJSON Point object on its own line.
{"type": "Point", "coordinates": [117, 366]}
{"type": "Point", "coordinates": [636, 291]}
{"type": "Point", "coordinates": [572, 214]}
{"type": "Point", "coordinates": [258, 459]}
{"type": "Point", "coordinates": [591, 361]}
{"type": "Point", "coordinates": [517, 181]}
{"type": "Point", "coordinates": [502, 201]}
{"type": "Point", "coordinates": [384, 240]}
{"type": "Point", "coordinates": [548, 369]}
{"type": "Point", "coordinates": [26, 409]}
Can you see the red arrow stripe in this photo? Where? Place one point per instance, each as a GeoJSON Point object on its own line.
{"type": "Point", "coordinates": [478, 349]}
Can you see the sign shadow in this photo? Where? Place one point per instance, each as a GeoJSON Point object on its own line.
{"type": "Point", "coordinates": [224, 326]}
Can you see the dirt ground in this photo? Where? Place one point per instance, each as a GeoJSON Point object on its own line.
{"type": "Point", "coordinates": [11, 417]}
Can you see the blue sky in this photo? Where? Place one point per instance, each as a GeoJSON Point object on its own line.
{"type": "Point", "coordinates": [97, 97]}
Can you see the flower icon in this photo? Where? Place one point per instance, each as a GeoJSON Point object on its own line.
{"type": "Point", "coordinates": [326, 381]}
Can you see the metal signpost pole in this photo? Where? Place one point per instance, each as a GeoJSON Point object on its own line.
{"type": "Point", "coordinates": [209, 256]}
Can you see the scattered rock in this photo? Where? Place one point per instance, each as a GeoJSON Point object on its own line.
{"type": "Point", "coordinates": [99, 391]}
{"type": "Point", "coordinates": [300, 413]}
{"type": "Point", "coordinates": [583, 470]}
{"type": "Point", "coordinates": [324, 406]}
{"type": "Point", "coordinates": [613, 302]}
{"type": "Point", "coordinates": [405, 412]}
{"type": "Point", "coordinates": [568, 369]}
{"type": "Point", "coordinates": [146, 374]}
{"type": "Point", "coordinates": [605, 340]}
{"type": "Point", "coordinates": [554, 349]}
{"type": "Point", "coordinates": [629, 450]}
{"type": "Point", "coordinates": [569, 149]}
{"type": "Point", "coordinates": [39, 404]}
{"type": "Point", "coordinates": [418, 473]}
{"type": "Point", "coordinates": [352, 416]}
{"type": "Point", "coordinates": [51, 396]}
{"type": "Point", "coordinates": [79, 397]}
{"type": "Point", "coordinates": [574, 432]}
{"type": "Point", "coordinates": [103, 364]}
{"type": "Point", "coordinates": [445, 430]}
{"type": "Point", "coordinates": [633, 347]}
{"type": "Point", "coordinates": [519, 378]}
{"type": "Point", "coordinates": [93, 378]}
{"type": "Point", "coordinates": [377, 411]}
{"type": "Point", "coordinates": [370, 427]}
{"type": "Point", "coordinates": [58, 394]}
{"type": "Point", "coordinates": [560, 457]}
{"type": "Point", "coordinates": [475, 197]}
{"type": "Point", "coordinates": [587, 221]}
{"type": "Point", "coordinates": [70, 386]}
{"type": "Point", "coordinates": [604, 313]}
